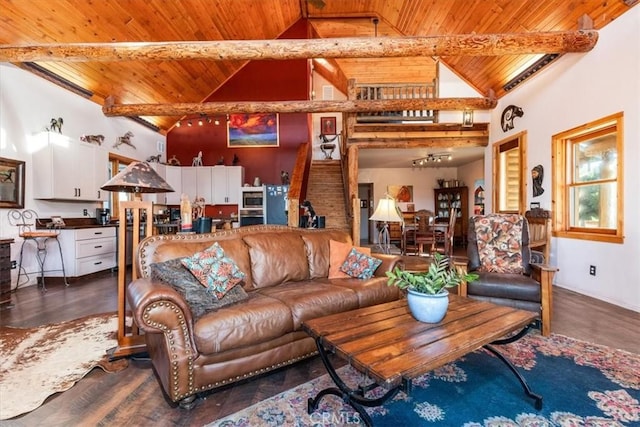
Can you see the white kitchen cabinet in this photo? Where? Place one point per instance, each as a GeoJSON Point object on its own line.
{"type": "Point", "coordinates": [101, 171]}
{"type": "Point", "coordinates": [227, 183]}
{"type": "Point", "coordinates": [66, 170]}
{"type": "Point", "coordinates": [87, 250]}
{"type": "Point", "coordinates": [173, 176]}
{"type": "Point", "coordinates": [159, 198]}
{"type": "Point", "coordinates": [196, 182]}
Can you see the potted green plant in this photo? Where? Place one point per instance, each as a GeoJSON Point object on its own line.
{"type": "Point", "coordinates": [427, 294]}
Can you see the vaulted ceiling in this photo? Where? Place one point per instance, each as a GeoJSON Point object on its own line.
{"type": "Point", "coordinates": [29, 22]}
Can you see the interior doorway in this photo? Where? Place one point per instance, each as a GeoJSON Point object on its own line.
{"type": "Point", "coordinates": [365, 194]}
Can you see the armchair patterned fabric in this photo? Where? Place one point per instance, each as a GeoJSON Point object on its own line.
{"type": "Point", "coordinates": [509, 272]}
{"type": "Point", "coordinates": [499, 240]}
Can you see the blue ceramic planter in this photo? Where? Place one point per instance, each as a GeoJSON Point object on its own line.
{"type": "Point", "coordinates": [428, 308]}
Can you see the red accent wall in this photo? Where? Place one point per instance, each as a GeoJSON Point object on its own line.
{"type": "Point", "coordinates": [256, 81]}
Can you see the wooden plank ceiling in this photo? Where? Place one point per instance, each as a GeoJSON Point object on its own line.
{"type": "Point", "coordinates": [28, 22]}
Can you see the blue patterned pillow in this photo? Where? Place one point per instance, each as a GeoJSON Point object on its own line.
{"type": "Point", "coordinates": [359, 265]}
{"type": "Point", "coordinates": [217, 272]}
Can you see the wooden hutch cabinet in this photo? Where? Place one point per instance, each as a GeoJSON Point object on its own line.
{"type": "Point", "coordinates": [453, 197]}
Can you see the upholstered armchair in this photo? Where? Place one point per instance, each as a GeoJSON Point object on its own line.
{"type": "Point", "coordinates": [498, 250]}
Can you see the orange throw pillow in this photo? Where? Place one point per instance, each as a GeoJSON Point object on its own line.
{"type": "Point", "coordinates": [338, 252]}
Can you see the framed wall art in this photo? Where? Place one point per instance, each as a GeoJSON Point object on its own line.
{"type": "Point", "coordinates": [328, 125]}
{"type": "Point", "coordinates": [401, 193]}
{"type": "Point", "coordinates": [253, 130]}
{"type": "Point", "coordinates": [11, 183]}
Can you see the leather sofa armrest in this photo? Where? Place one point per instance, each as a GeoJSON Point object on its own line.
{"type": "Point", "coordinates": [389, 262]}
{"type": "Point", "coordinates": [158, 308]}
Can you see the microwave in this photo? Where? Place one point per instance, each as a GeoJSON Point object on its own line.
{"type": "Point", "coordinates": [252, 199]}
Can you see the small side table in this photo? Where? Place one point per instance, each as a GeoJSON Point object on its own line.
{"type": "Point", "coordinates": [327, 150]}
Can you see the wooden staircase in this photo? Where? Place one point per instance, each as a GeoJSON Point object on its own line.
{"type": "Point", "coordinates": [325, 191]}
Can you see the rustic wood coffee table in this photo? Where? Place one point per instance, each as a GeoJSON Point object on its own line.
{"type": "Point", "coordinates": [392, 348]}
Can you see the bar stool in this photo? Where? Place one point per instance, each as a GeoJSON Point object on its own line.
{"type": "Point", "coordinates": [26, 221]}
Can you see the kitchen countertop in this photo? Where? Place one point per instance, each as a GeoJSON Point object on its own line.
{"type": "Point", "coordinates": [75, 223]}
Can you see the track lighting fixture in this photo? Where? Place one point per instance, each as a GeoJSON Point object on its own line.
{"type": "Point", "coordinates": [200, 121]}
{"type": "Point", "coordinates": [431, 158]}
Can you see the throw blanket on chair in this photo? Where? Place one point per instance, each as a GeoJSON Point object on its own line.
{"type": "Point", "coordinates": [499, 238]}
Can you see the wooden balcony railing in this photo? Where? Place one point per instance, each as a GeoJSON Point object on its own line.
{"type": "Point", "coordinates": [383, 91]}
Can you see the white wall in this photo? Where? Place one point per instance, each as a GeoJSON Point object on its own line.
{"type": "Point", "coordinates": [577, 89]}
{"type": "Point", "coordinates": [27, 104]}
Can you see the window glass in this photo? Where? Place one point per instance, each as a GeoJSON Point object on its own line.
{"type": "Point", "coordinates": [588, 183]}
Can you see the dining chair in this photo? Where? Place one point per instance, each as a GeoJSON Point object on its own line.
{"type": "Point", "coordinates": [444, 234]}
{"type": "Point", "coordinates": [424, 233]}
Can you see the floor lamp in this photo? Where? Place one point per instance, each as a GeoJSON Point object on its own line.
{"type": "Point", "coordinates": [136, 178]}
{"type": "Point", "coordinates": [386, 212]}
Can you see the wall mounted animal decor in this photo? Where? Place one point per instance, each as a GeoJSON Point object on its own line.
{"type": "Point", "coordinates": [154, 159]}
{"type": "Point", "coordinates": [124, 139]}
{"type": "Point", "coordinates": [92, 139]}
{"type": "Point", "coordinates": [510, 113]}
{"type": "Point", "coordinates": [55, 124]}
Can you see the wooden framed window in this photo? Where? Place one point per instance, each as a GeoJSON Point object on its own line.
{"type": "Point", "coordinates": [588, 181]}
{"type": "Point", "coordinates": [509, 174]}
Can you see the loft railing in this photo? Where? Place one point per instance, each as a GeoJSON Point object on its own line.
{"type": "Point", "coordinates": [370, 91]}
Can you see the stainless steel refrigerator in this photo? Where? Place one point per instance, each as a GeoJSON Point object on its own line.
{"type": "Point", "coordinates": [276, 204]}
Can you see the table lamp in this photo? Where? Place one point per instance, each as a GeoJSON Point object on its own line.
{"type": "Point", "coordinates": [136, 178]}
{"type": "Point", "coordinates": [386, 212]}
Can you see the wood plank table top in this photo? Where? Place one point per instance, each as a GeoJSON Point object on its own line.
{"type": "Point", "coordinates": [386, 343]}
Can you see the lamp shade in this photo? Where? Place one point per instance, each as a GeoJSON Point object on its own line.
{"type": "Point", "coordinates": [386, 211]}
{"type": "Point", "coordinates": [138, 177]}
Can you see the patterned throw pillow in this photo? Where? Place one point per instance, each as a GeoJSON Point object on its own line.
{"type": "Point", "coordinates": [338, 251]}
{"type": "Point", "coordinates": [359, 265]}
{"type": "Point", "coordinates": [217, 272]}
{"type": "Point", "coordinates": [174, 274]}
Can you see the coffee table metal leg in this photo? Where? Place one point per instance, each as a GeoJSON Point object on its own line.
{"type": "Point", "coordinates": [523, 382]}
{"type": "Point", "coordinates": [354, 397]}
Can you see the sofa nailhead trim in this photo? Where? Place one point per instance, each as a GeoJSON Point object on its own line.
{"type": "Point", "coordinates": [173, 350]}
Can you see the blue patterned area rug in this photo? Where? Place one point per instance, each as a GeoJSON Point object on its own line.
{"type": "Point", "coordinates": [582, 384]}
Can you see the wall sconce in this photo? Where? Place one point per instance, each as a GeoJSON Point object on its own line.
{"type": "Point", "coordinates": [178, 124]}
{"type": "Point", "coordinates": [467, 118]}
{"type": "Point", "coordinates": [431, 158]}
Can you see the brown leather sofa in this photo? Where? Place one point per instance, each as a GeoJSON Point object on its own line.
{"type": "Point", "coordinates": [287, 281]}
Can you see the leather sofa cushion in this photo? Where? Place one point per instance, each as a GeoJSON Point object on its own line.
{"type": "Point", "coordinates": [238, 251]}
{"type": "Point", "coordinates": [369, 292]}
{"type": "Point", "coordinates": [258, 319]}
{"type": "Point", "coordinates": [277, 258]}
{"type": "Point", "coordinates": [310, 299]}
{"type": "Point", "coordinates": [505, 285]}
{"type": "Point", "coordinates": [317, 245]}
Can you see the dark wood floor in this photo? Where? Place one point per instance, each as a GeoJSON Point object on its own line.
{"type": "Point", "coordinates": [133, 396]}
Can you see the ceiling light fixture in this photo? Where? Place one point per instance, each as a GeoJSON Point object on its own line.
{"type": "Point", "coordinates": [431, 158]}
{"type": "Point", "coordinates": [189, 123]}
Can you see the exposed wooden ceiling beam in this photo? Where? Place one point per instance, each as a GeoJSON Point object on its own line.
{"type": "Point", "coordinates": [349, 47]}
{"type": "Point", "coordinates": [346, 106]}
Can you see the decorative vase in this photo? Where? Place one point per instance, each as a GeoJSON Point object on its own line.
{"type": "Point", "coordinates": [426, 307]}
